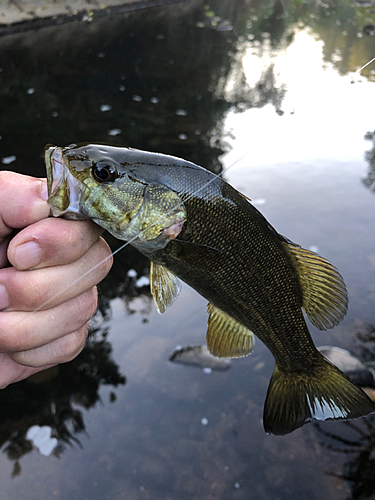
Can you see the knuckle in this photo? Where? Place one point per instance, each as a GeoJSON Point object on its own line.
{"type": "Point", "coordinates": [88, 303]}
{"type": "Point", "coordinates": [25, 290]}
{"type": "Point", "coordinates": [74, 343]}
{"type": "Point", "coordinates": [80, 235]}
{"type": "Point", "coordinates": [14, 333]}
{"type": "Point", "coordinates": [75, 236]}
{"type": "Point", "coordinates": [106, 255]}
{"type": "Point", "coordinates": [31, 293]}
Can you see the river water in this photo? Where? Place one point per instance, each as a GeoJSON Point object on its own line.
{"type": "Point", "coordinates": [269, 93]}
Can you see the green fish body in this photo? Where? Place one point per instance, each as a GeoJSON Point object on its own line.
{"type": "Point", "coordinates": [193, 225]}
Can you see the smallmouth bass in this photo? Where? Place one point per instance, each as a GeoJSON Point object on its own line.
{"type": "Point", "coordinates": [194, 226]}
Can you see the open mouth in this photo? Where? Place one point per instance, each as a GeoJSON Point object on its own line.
{"type": "Point", "coordinates": [64, 191]}
{"type": "Point", "coordinates": [55, 166]}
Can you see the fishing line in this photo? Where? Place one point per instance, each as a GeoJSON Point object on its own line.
{"type": "Point", "coordinates": [365, 65]}
{"type": "Point", "coordinates": [129, 242]}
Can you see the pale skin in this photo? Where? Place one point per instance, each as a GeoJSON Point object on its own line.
{"type": "Point", "coordinates": [56, 251]}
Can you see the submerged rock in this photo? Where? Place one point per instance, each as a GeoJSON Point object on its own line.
{"type": "Point", "coordinates": [200, 356]}
{"type": "Point", "coordinates": [351, 366]}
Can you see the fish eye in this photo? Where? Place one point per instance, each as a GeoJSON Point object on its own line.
{"type": "Point", "coordinates": [104, 172]}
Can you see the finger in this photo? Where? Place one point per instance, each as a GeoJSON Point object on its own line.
{"type": "Point", "coordinates": [61, 350]}
{"type": "Point", "coordinates": [12, 372]}
{"type": "Point", "coordinates": [28, 206]}
{"type": "Point", "coordinates": [51, 242]}
{"type": "Point", "coordinates": [3, 251]}
{"type": "Point", "coordinates": [42, 289]}
{"type": "Point", "coordinates": [22, 331]}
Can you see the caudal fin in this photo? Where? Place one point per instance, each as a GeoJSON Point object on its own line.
{"type": "Point", "coordinates": [294, 399]}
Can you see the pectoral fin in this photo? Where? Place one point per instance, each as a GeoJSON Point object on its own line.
{"type": "Point", "coordinates": [165, 287]}
{"type": "Point", "coordinates": [226, 338]}
{"type": "Point", "coordinates": [324, 294]}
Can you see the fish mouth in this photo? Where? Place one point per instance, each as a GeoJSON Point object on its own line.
{"type": "Point", "coordinates": [64, 190]}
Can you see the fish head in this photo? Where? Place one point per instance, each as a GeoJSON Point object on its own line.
{"type": "Point", "coordinates": [95, 182]}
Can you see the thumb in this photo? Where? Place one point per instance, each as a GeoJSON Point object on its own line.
{"type": "Point", "coordinates": [22, 201]}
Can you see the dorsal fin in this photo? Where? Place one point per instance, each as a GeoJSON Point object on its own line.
{"type": "Point", "coordinates": [165, 287]}
{"type": "Point", "coordinates": [324, 294]}
{"type": "Point", "coordinates": [226, 338]}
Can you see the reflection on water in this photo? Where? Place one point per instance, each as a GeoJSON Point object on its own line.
{"type": "Point", "coordinates": [57, 398]}
{"type": "Point", "coordinates": [356, 444]}
{"type": "Point", "coordinates": [355, 441]}
{"type": "Point", "coordinates": [195, 80]}
{"type": "Point", "coordinates": [369, 181]}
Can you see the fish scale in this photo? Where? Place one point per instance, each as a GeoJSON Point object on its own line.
{"type": "Point", "coordinates": [194, 226]}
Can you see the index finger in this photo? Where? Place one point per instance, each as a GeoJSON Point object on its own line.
{"type": "Point", "coordinates": [22, 201]}
{"type": "Point", "coordinates": [52, 242]}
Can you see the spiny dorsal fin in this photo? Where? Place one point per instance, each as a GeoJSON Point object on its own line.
{"type": "Point", "coordinates": [165, 287]}
{"type": "Point", "coordinates": [325, 298]}
{"type": "Point", "coordinates": [226, 338]}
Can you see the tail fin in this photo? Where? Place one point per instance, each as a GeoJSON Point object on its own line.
{"type": "Point", "coordinates": [294, 399]}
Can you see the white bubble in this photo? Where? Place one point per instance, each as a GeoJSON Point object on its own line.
{"type": "Point", "coordinates": [207, 370]}
{"type": "Point", "coordinates": [314, 248]}
{"type": "Point", "coordinates": [258, 201]}
{"type": "Point", "coordinates": [181, 112]}
{"type": "Point", "coordinates": [182, 137]}
{"type": "Point", "coordinates": [114, 131]}
{"type": "Point", "coordinates": [8, 159]}
{"type": "Point", "coordinates": [154, 100]}
{"type": "Point", "coordinates": [105, 107]}
{"type": "Point", "coordinates": [137, 98]}
{"type": "Point", "coordinates": [121, 88]}
{"type": "Point", "coordinates": [143, 281]}
{"type": "Point", "coordinates": [204, 421]}
{"type": "Point", "coordinates": [30, 90]}
{"type": "Point", "coordinates": [132, 273]}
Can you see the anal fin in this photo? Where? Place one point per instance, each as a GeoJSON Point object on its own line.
{"type": "Point", "coordinates": [226, 338]}
{"type": "Point", "coordinates": [165, 287]}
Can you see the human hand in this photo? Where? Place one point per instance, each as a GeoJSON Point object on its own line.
{"type": "Point", "coordinates": [44, 312]}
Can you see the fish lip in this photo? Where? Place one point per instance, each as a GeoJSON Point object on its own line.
{"type": "Point", "coordinates": [48, 151]}
{"type": "Point", "coordinates": [60, 178]}
{"type": "Point", "coordinates": [54, 166]}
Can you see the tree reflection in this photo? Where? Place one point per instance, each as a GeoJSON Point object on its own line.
{"type": "Point", "coordinates": [163, 93]}
{"type": "Point", "coordinates": [56, 398]}
{"type": "Point", "coordinates": [369, 181]}
{"type": "Point", "coordinates": [356, 439]}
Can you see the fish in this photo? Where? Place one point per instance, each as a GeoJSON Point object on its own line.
{"type": "Point", "coordinates": [195, 227]}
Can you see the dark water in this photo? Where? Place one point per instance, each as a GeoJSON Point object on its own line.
{"type": "Point", "coordinates": [276, 82]}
